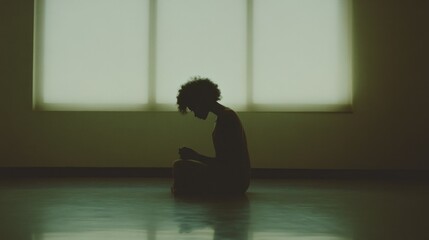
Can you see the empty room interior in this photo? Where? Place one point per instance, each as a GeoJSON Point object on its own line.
{"type": "Point", "coordinates": [331, 94]}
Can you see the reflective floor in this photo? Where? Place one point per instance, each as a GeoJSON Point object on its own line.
{"type": "Point", "coordinates": [131, 209]}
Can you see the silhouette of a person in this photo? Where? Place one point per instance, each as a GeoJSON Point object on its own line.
{"type": "Point", "coordinates": [229, 171]}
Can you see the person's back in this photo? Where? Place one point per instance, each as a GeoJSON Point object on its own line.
{"type": "Point", "coordinates": [229, 140]}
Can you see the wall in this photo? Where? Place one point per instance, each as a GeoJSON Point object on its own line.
{"type": "Point", "coordinates": [386, 130]}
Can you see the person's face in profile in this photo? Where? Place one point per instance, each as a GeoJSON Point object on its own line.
{"type": "Point", "coordinates": [200, 111]}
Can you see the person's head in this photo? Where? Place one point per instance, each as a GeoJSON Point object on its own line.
{"type": "Point", "coordinates": [198, 95]}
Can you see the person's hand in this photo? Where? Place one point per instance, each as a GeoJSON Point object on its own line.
{"type": "Point", "coordinates": [187, 153]}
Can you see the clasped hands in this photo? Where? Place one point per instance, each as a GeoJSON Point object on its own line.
{"type": "Point", "coordinates": [188, 153]}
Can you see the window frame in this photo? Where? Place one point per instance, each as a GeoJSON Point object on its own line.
{"type": "Point", "coordinates": [151, 105]}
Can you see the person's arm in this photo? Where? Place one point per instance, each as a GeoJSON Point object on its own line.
{"type": "Point", "coordinates": [229, 138]}
{"type": "Point", "coordinates": [206, 160]}
{"type": "Point", "coordinates": [188, 153]}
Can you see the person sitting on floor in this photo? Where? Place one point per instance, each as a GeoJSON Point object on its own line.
{"type": "Point", "coordinates": [229, 171]}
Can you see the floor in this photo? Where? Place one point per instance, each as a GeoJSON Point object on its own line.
{"type": "Point", "coordinates": [139, 208]}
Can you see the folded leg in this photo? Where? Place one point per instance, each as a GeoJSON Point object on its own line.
{"type": "Point", "coordinates": [190, 177]}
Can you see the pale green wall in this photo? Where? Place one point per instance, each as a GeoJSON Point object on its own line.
{"type": "Point", "coordinates": [388, 128]}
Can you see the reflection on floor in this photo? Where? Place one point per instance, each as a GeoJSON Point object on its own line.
{"type": "Point", "coordinates": [131, 209]}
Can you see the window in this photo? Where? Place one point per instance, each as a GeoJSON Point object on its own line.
{"type": "Point", "coordinates": [280, 55]}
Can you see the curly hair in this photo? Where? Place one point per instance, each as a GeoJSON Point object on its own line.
{"type": "Point", "coordinates": [197, 90]}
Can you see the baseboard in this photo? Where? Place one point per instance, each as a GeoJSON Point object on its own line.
{"type": "Point", "coordinates": [256, 173]}
{"type": "Point", "coordinates": [84, 172]}
{"type": "Point", "coordinates": [341, 174]}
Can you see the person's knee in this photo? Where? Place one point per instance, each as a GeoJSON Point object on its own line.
{"type": "Point", "coordinates": [180, 164]}
{"type": "Point", "coordinates": [177, 163]}
{"type": "Point", "coordinates": [184, 164]}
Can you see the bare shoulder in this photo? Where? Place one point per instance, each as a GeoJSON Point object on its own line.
{"type": "Point", "coordinates": [229, 117]}
{"type": "Point", "coordinates": [228, 113]}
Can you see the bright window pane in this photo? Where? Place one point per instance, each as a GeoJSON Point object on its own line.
{"type": "Point", "coordinates": [92, 51]}
{"type": "Point", "coordinates": [201, 37]}
{"type": "Point", "coordinates": [96, 52]}
{"type": "Point", "coordinates": [301, 52]}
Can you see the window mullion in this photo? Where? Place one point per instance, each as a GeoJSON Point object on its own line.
{"type": "Point", "coordinates": [152, 55]}
{"type": "Point", "coordinates": [249, 52]}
